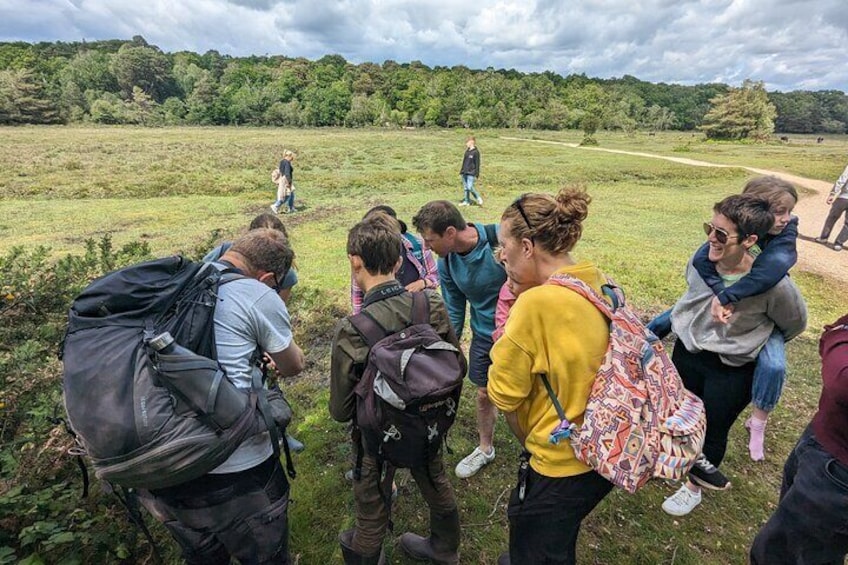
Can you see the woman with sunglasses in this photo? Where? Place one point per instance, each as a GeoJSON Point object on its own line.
{"type": "Point", "coordinates": [775, 254]}
{"type": "Point", "coordinates": [554, 331]}
{"type": "Point", "coordinates": [716, 359]}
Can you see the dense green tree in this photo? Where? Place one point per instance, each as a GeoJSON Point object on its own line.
{"type": "Point", "coordinates": [108, 108]}
{"type": "Point", "coordinates": [219, 89]}
{"type": "Point", "coordinates": [22, 99]}
{"type": "Point", "coordinates": [742, 113]}
{"type": "Point", "coordinates": [145, 67]}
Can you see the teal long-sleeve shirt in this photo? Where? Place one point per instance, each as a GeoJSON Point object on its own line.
{"type": "Point", "coordinates": [474, 278]}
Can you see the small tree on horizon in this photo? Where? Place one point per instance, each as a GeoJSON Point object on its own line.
{"type": "Point", "coordinates": [741, 113]}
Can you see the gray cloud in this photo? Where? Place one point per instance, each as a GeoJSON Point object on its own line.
{"type": "Point", "coordinates": [788, 44]}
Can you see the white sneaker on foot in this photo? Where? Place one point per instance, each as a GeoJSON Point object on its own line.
{"type": "Point", "coordinates": [682, 502]}
{"type": "Point", "coordinates": [275, 209]}
{"type": "Point", "coordinates": [464, 203]}
{"type": "Point", "coordinates": [474, 462]}
{"type": "Point", "coordinates": [479, 201]}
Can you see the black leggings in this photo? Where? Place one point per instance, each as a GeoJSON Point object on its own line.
{"type": "Point", "coordinates": [725, 390]}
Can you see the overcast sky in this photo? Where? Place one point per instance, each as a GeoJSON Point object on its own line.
{"type": "Point", "coordinates": [788, 44]}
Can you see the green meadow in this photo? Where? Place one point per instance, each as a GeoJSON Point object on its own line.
{"type": "Point", "coordinates": [184, 189]}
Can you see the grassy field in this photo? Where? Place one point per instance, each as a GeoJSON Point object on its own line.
{"type": "Point", "coordinates": [182, 189]}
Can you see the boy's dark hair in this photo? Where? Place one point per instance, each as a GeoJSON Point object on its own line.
{"type": "Point", "coordinates": [377, 242]}
{"type": "Point", "coordinates": [265, 249]}
{"type": "Point", "coordinates": [437, 216]}
{"type": "Point", "coordinates": [268, 220]}
{"type": "Point", "coordinates": [751, 214]}
{"type": "Point", "coordinates": [389, 211]}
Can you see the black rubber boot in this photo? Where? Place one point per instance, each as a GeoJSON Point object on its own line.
{"type": "Point", "coordinates": [353, 558]}
{"type": "Point", "coordinates": [442, 547]}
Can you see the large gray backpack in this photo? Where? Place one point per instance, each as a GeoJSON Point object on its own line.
{"type": "Point", "coordinates": [149, 413]}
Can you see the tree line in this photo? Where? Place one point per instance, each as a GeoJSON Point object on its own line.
{"type": "Point", "coordinates": [132, 82]}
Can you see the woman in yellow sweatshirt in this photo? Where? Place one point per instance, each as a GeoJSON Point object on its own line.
{"type": "Point", "coordinates": [553, 331]}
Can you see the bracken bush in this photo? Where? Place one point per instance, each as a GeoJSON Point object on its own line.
{"type": "Point", "coordinates": [43, 518]}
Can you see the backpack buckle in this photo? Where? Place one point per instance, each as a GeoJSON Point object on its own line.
{"type": "Point", "coordinates": [563, 430]}
{"type": "Point", "coordinates": [391, 433]}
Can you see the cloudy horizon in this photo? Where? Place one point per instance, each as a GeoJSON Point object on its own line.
{"type": "Point", "coordinates": [787, 44]}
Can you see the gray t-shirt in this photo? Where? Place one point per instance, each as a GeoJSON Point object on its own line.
{"type": "Point", "coordinates": [249, 316]}
{"type": "Point", "coordinates": [740, 340]}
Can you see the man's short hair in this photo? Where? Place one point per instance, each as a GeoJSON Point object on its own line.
{"type": "Point", "coordinates": [749, 213]}
{"type": "Point", "coordinates": [437, 216]}
{"type": "Point", "coordinates": [377, 241]}
{"type": "Point", "coordinates": [265, 249]}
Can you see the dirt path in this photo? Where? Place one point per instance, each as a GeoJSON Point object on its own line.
{"type": "Point", "coordinates": [811, 209]}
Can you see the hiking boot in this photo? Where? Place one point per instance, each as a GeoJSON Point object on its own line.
{"type": "Point", "coordinates": [479, 201]}
{"type": "Point", "coordinates": [682, 502]}
{"type": "Point", "coordinates": [472, 463]}
{"type": "Point", "coordinates": [275, 209]}
{"type": "Point", "coordinates": [442, 547]}
{"type": "Point", "coordinates": [706, 474]}
{"type": "Point", "coordinates": [465, 203]}
{"type": "Point", "coordinates": [353, 558]}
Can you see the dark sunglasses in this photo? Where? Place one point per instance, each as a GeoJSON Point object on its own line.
{"type": "Point", "coordinates": [521, 211]}
{"type": "Point", "coordinates": [721, 235]}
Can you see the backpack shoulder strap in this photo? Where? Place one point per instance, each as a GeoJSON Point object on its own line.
{"type": "Point", "coordinates": [413, 241]}
{"type": "Point", "coordinates": [586, 291]}
{"type": "Point", "coordinates": [367, 327]}
{"type": "Point", "coordinates": [420, 308]}
{"type": "Point", "coordinates": [492, 234]}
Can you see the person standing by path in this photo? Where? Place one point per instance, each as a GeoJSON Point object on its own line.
{"type": "Point", "coordinates": [838, 202]}
{"type": "Point", "coordinates": [469, 172]}
{"type": "Point", "coordinates": [285, 186]}
{"type": "Point", "coordinates": [469, 274]}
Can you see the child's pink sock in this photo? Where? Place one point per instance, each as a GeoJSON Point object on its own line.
{"type": "Point", "coordinates": [757, 428]}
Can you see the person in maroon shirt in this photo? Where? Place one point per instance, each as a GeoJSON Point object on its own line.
{"type": "Point", "coordinates": [810, 524]}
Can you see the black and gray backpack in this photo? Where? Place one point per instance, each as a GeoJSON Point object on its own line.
{"type": "Point", "coordinates": [148, 402]}
{"type": "Point", "coordinates": [408, 395]}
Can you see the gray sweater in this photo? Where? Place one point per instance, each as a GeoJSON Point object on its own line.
{"type": "Point", "coordinates": [740, 340]}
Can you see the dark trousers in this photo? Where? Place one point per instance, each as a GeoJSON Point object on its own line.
{"type": "Point", "coordinates": [372, 513]}
{"type": "Point", "coordinates": [810, 524]}
{"type": "Point", "coordinates": [725, 390]}
{"type": "Point", "coordinates": [243, 515]}
{"type": "Point", "coordinates": [543, 528]}
{"type": "Point", "coordinates": [839, 207]}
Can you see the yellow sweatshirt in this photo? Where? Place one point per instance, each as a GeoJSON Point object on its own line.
{"type": "Point", "coordinates": [555, 331]}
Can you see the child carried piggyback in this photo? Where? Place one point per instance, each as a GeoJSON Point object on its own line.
{"type": "Point", "coordinates": [775, 255]}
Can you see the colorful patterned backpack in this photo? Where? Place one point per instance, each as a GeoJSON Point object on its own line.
{"type": "Point", "coordinates": [640, 421]}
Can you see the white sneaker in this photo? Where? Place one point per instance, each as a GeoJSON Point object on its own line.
{"type": "Point", "coordinates": [682, 502]}
{"type": "Point", "coordinates": [469, 466]}
{"type": "Point", "coordinates": [479, 201]}
{"type": "Point", "coordinates": [464, 203]}
{"type": "Point", "coordinates": [275, 209]}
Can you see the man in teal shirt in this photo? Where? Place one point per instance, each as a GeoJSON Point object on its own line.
{"type": "Point", "coordinates": [469, 274]}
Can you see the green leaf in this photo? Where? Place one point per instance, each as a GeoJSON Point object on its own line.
{"type": "Point", "coordinates": [61, 537]}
